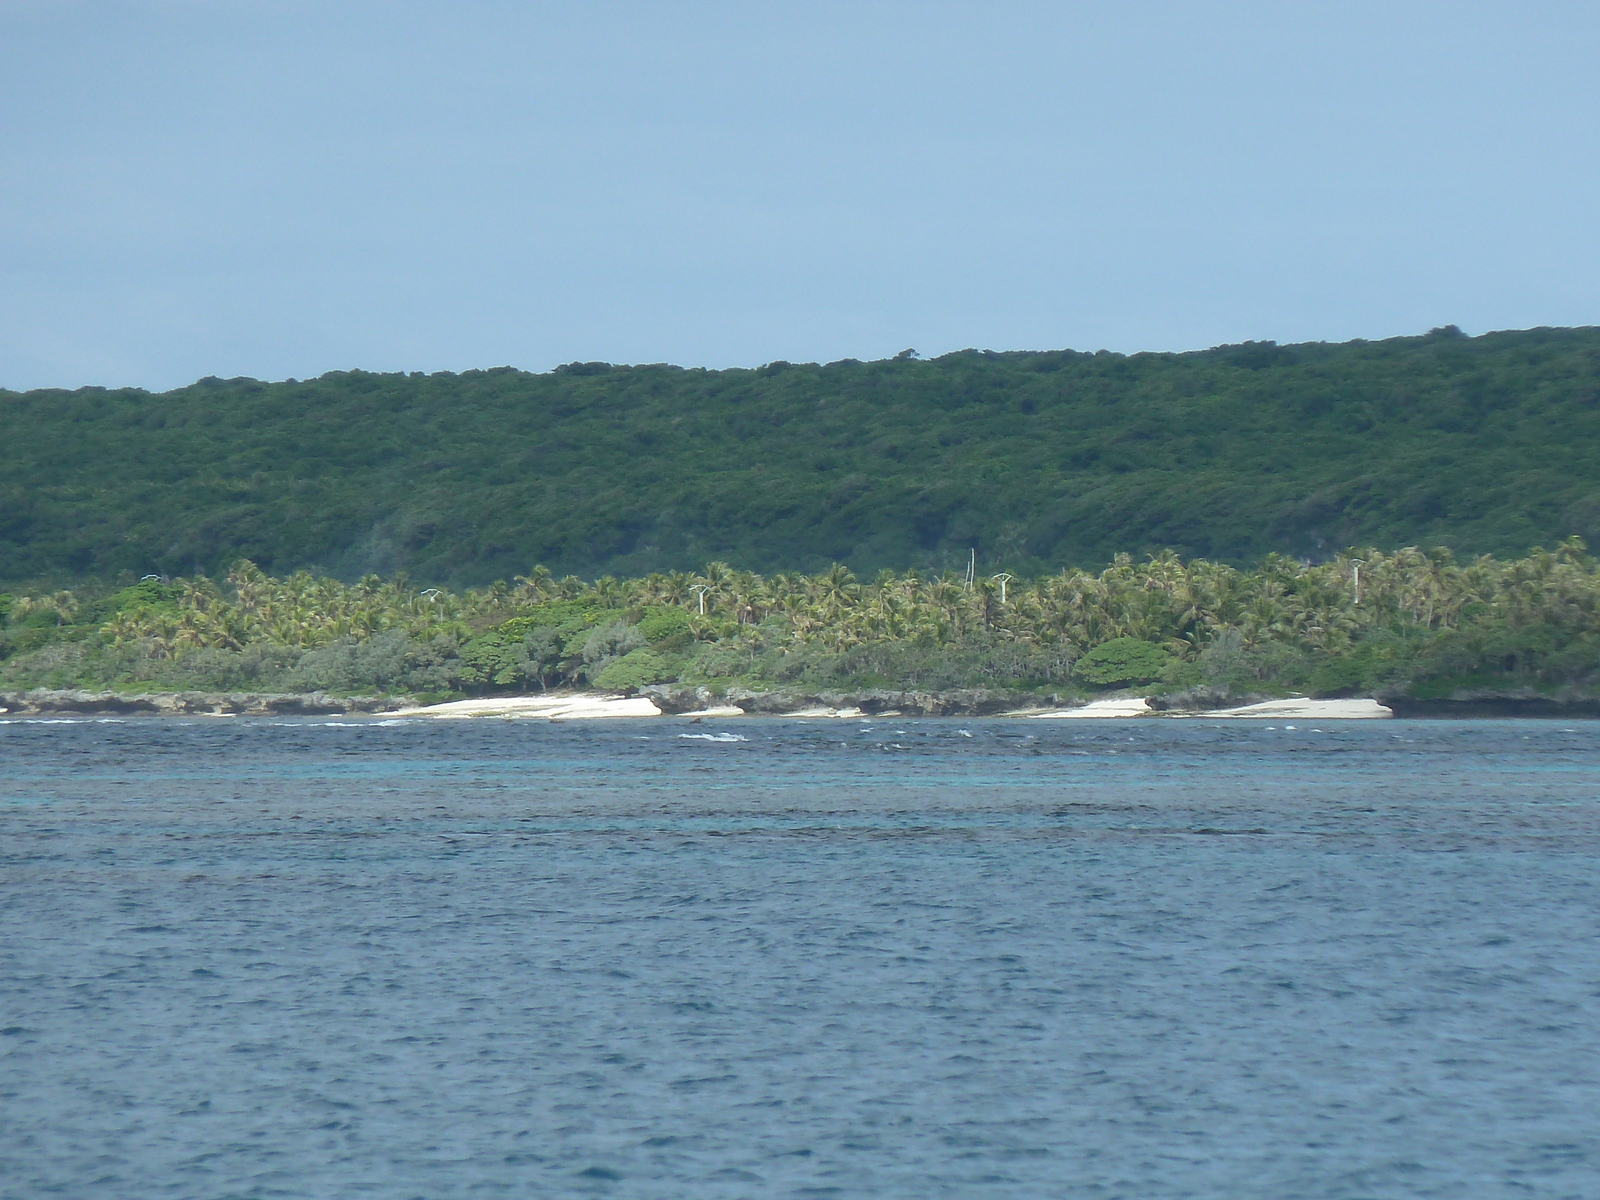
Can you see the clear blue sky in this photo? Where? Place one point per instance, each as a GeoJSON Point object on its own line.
{"type": "Point", "coordinates": [280, 189]}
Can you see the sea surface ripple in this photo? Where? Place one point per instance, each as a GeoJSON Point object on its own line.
{"type": "Point", "coordinates": [888, 958]}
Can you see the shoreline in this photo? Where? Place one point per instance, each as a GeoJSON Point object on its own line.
{"type": "Point", "coordinates": [78, 701]}
{"type": "Point", "coordinates": [665, 702]}
{"type": "Point", "coordinates": [700, 704]}
{"type": "Point", "coordinates": [592, 706]}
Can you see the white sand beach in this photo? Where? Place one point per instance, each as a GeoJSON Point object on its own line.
{"type": "Point", "coordinates": [581, 707]}
{"type": "Point", "coordinates": [1308, 710]}
{"type": "Point", "coordinates": [590, 706]}
{"type": "Point", "coordinates": [1135, 706]}
{"type": "Point", "coordinates": [1292, 709]}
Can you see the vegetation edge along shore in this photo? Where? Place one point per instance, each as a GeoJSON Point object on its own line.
{"type": "Point", "coordinates": [1419, 630]}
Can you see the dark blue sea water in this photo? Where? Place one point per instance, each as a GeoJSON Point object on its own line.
{"type": "Point", "coordinates": [857, 959]}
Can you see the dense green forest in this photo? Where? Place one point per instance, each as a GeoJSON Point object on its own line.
{"type": "Point", "coordinates": [1406, 623]}
{"type": "Point", "coordinates": [1037, 460]}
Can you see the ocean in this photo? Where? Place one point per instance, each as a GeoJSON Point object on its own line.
{"type": "Point", "coordinates": [778, 958]}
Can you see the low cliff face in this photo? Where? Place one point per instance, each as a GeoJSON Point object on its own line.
{"type": "Point", "coordinates": [1205, 699]}
{"type": "Point", "coordinates": [1496, 702]}
{"type": "Point", "coordinates": [177, 704]}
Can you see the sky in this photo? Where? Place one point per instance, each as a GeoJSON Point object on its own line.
{"type": "Point", "coordinates": [278, 189]}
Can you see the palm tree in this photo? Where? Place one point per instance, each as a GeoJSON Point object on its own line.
{"type": "Point", "coordinates": [535, 585]}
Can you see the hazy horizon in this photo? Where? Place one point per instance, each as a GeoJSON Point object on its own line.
{"type": "Point", "coordinates": [280, 189]}
{"type": "Point", "coordinates": [793, 362]}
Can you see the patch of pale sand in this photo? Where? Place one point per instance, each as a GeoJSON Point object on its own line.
{"type": "Point", "coordinates": [845, 713]}
{"type": "Point", "coordinates": [1309, 710]}
{"type": "Point", "coordinates": [1134, 706]}
{"type": "Point", "coordinates": [717, 710]}
{"type": "Point", "coordinates": [552, 708]}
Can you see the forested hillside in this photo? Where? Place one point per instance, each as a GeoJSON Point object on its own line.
{"type": "Point", "coordinates": [1487, 444]}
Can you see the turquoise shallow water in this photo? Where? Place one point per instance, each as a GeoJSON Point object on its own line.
{"type": "Point", "coordinates": [889, 959]}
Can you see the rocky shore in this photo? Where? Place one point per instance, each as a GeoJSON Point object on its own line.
{"type": "Point", "coordinates": [679, 699]}
{"type": "Point", "coordinates": [42, 702]}
{"type": "Point", "coordinates": [668, 698]}
{"type": "Point", "coordinates": [1497, 703]}
{"type": "Point", "coordinates": [975, 702]}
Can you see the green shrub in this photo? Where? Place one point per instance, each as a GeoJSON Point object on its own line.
{"type": "Point", "coordinates": [1180, 673]}
{"type": "Point", "coordinates": [606, 642]}
{"type": "Point", "coordinates": [663, 624]}
{"type": "Point", "coordinates": [568, 616]}
{"type": "Point", "coordinates": [634, 670]}
{"type": "Point", "coordinates": [1122, 660]}
{"type": "Point", "coordinates": [146, 596]}
{"type": "Point", "coordinates": [513, 655]}
{"type": "Point", "coordinates": [1339, 677]}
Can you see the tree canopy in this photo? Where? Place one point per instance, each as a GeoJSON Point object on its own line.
{"type": "Point", "coordinates": [1037, 460]}
{"type": "Point", "coordinates": [1413, 623]}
